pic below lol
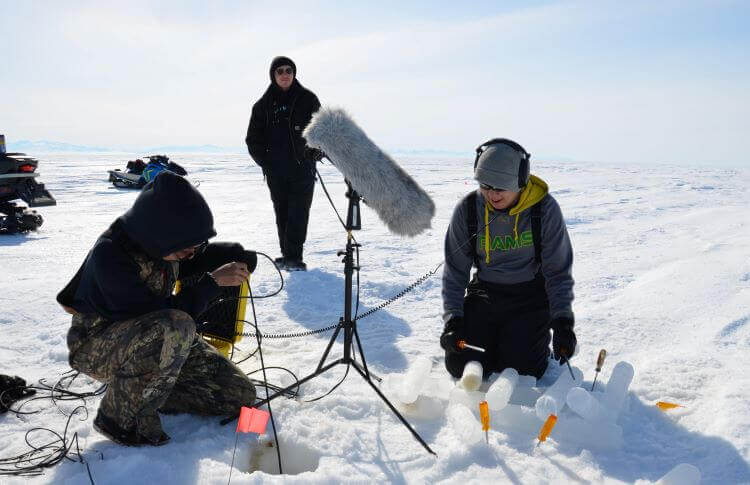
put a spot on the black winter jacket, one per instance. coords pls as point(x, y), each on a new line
point(167, 216)
point(303, 103)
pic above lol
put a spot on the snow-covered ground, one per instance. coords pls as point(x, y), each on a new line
point(662, 281)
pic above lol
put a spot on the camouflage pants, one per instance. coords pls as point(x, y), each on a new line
point(152, 363)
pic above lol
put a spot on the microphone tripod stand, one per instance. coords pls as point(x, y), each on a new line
point(347, 325)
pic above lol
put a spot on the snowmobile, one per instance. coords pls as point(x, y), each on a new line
point(17, 174)
point(139, 173)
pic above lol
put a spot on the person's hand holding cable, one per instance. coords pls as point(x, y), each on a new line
point(231, 274)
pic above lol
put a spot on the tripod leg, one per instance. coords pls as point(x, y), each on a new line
point(361, 353)
point(328, 347)
point(393, 409)
point(270, 398)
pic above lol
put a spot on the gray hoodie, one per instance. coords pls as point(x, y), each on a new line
point(511, 250)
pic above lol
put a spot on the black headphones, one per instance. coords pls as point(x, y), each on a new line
point(523, 168)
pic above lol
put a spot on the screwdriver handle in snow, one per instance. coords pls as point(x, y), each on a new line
point(599, 364)
point(461, 344)
point(600, 360)
point(546, 428)
point(484, 413)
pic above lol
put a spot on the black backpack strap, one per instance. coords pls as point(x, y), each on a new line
point(536, 230)
point(470, 204)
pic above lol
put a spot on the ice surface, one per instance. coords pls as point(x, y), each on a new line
point(553, 399)
point(414, 380)
point(617, 389)
point(472, 376)
point(682, 474)
point(465, 425)
point(594, 436)
point(585, 405)
point(500, 391)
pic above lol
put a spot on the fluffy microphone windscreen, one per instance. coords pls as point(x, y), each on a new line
point(385, 187)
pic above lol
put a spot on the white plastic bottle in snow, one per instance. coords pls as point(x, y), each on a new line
point(553, 399)
point(500, 391)
point(472, 376)
point(617, 389)
point(414, 380)
point(584, 404)
point(467, 428)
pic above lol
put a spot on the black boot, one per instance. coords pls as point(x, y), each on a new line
point(114, 432)
point(296, 265)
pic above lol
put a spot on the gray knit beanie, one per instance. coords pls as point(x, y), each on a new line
point(498, 166)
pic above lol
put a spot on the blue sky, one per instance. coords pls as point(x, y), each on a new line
point(607, 81)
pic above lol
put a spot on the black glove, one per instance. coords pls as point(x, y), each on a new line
point(250, 259)
point(564, 338)
point(453, 332)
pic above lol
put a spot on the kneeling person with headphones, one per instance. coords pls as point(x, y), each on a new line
point(512, 230)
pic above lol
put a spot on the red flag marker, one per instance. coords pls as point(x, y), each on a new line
point(252, 420)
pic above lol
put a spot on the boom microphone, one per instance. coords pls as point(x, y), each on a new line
point(397, 199)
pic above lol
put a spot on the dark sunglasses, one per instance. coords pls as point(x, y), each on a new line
point(284, 70)
point(198, 250)
point(489, 187)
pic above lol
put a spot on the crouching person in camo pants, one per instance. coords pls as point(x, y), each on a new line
point(132, 330)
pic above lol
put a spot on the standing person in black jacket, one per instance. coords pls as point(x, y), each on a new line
point(274, 140)
point(135, 330)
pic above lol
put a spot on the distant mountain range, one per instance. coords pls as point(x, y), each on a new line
point(45, 146)
point(35, 146)
point(49, 146)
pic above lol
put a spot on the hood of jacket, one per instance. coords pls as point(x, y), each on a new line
point(168, 215)
point(534, 191)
